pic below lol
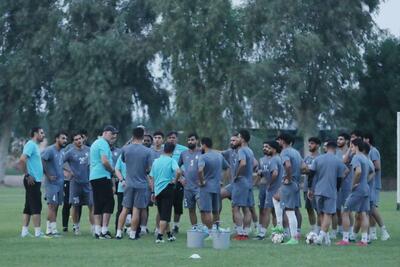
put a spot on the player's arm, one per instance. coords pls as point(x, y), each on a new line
point(22, 164)
point(346, 156)
point(202, 182)
point(304, 168)
point(178, 175)
point(106, 164)
point(288, 170)
point(371, 175)
point(377, 165)
point(357, 176)
point(241, 167)
point(274, 175)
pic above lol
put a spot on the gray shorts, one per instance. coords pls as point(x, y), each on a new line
point(309, 204)
point(325, 204)
point(289, 195)
point(268, 199)
point(135, 197)
point(190, 198)
point(209, 202)
point(80, 194)
point(54, 194)
point(242, 195)
point(262, 195)
point(356, 203)
point(342, 196)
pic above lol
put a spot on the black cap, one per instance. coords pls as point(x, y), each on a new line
point(110, 128)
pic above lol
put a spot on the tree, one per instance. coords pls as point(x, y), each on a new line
point(380, 99)
point(26, 30)
point(312, 52)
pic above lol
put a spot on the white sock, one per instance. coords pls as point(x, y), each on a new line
point(313, 227)
point(364, 237)
point(104, 230)
point(259, 227)
point(132, 234)
point(351, 230)
point(92, 228)
point(292, 222)
point(246, 231)
point(278, 212)
point(262, 231)
point(346, 236)
point(157, 230)
point(143, 228)
point(24, 230)
point(333, 232)
point(97, 229)
point(119, 232)
point(48, 227)
point(37, 231)
point(321, 236)
point(372, 230)
point(53, 227)
point(239, 229)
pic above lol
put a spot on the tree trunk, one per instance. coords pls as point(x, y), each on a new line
point(5, 137)
point(308, 127)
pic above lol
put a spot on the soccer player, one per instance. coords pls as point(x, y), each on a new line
point(188, 162)
point(326, 172)
point(273, 178)
point(358, 200)
point(210, 167)
point(172, 138)
point(230, 156)
point(313, 147)
point(101, 172)
point(137, 158)
point(158, 144)
point(289, 193)
point(53, 160)
point(31, 165)
point(375, 216)
point(242, 187)
point(80, 193)
point(164, 175)
point(120, 172)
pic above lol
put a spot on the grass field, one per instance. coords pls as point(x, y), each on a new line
point(85, 251)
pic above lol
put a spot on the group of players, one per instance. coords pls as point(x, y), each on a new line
point(149, 170)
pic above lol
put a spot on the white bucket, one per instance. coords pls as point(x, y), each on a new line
point(221, 240)
point(195, 239)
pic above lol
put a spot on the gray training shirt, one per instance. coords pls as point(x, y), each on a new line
point(275, 164)
point(78, 160)
point(245, 153)
point(213, 164)
point(308, 160)
point(296, 161)
point(359, 160)
point(231, 156)
point(374, 155)
point(53, 164)
point(138, 159)
point(188, 162)
point(327, 169)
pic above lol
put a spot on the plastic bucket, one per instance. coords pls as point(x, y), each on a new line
point(221, 240)
point(195, 239)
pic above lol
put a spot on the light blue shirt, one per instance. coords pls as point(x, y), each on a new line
point(178, 151)
point(98, 149)
point(34, 162)
point(121, 166)
point(163, 171)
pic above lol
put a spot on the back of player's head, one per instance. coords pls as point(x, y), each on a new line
point(287, 138)
point(169, 148)
point(275, 145)
point(346, 136)
point(158, 133)
point(356, 133)
point(370, 138)
point(138, 133)
point(366, 148)
point(315, 140)
point(172, 133)
point(207, 141)
point(34, 130)
point(332, 144)
point(83, 132)
point(193, 135)
point(59, 133)
point(358, 142)
point(245, 135)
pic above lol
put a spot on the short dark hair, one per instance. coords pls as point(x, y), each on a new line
point(331, 144)
point(287, 138)
point(138, 133)
point(245, 135)
point(172, 133)
point(314, 140)
point(358, 143)
point(76, 134)
point(83, 131)
point(366, 148)
point(193, 135)
point(149, 135)
point(59, 133)
point(275, 145)
point(169, 148)
point(346, 136)
point(158, 133)
point(207, 141)
point(34, 130)
point(370, 137)
point(356, 133)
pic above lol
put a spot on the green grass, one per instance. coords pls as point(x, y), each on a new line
point(85, 251)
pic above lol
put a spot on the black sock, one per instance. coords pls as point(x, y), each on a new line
point(160, 236)
point(169, 234)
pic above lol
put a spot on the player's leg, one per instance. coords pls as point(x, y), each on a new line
point(121, 222)
point(66, 206)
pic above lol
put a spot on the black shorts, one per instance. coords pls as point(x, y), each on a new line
point(33, 198)
point(103, 197)
point(178, 198)
point(66, 192)
point(164, 202)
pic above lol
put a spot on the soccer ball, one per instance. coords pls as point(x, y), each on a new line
point(311, 238)
point(277, 238)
